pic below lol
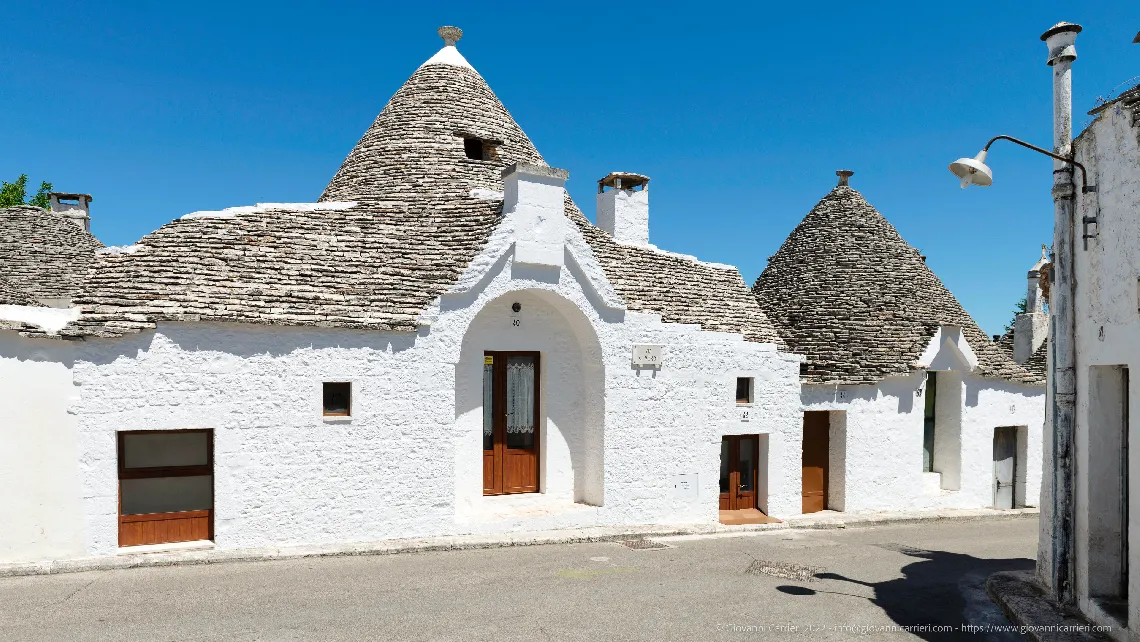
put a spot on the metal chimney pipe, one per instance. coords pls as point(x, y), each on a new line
point(1062, 52)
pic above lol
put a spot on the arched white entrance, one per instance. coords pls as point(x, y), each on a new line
point(570, 390)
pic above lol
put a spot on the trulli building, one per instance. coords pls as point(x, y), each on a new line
point(442, 344)
point(906, 402)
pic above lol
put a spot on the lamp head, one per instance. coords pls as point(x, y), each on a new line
point(973, 171)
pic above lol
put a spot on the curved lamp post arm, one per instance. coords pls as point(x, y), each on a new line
point(1084, 175)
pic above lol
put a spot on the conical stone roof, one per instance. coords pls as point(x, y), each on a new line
point(395, 228)
point(848, 292)
point(413, 152)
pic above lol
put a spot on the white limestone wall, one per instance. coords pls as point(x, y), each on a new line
point(1107, 321)
point(883, 426)
point(283, 473)
point(39, 464)
point(408, 462)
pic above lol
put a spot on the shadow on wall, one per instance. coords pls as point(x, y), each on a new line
point(248, 340)
point(942, 588)
point(902, 388)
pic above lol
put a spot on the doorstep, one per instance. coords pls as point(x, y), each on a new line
point(197, 545)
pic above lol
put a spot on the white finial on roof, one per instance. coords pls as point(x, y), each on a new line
point(449, 55)
point(450, 35)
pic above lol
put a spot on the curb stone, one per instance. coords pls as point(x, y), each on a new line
point(474, 542)
point(1024, 602)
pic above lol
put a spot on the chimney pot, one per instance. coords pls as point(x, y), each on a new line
point(73, 206)
point(844, 175)
point(623, 211)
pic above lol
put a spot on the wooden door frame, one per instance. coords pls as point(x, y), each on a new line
point(499, 418)
point(1014, 430)
point(164, 471)
point(827, 461)
point(734, 471)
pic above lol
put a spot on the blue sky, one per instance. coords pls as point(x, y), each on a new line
point(741, 114)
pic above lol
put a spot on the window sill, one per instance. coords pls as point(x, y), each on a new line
point(198, 545)
point(336, 419)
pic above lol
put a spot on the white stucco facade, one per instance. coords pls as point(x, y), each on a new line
point(1107, 327)
point(620, 445)
point(613, 437)
point(876, 436)
point(40, 468)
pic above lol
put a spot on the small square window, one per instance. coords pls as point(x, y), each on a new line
point(337, 399)
point(744, 390)
point(473, 148)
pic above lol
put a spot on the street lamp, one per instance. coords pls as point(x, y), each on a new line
point(974, 171)
point(1058, 548)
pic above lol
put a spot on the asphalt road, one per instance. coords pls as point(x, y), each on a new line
point(823, 585)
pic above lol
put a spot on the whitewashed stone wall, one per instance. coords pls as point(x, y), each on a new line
point(408, 462)
point(883, 426)
point(39, 466)
point(1107, 327)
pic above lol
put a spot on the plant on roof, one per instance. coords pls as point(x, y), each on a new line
point(12, 194)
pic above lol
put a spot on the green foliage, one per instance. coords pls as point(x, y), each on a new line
point(12, 194)
point(1021, 308)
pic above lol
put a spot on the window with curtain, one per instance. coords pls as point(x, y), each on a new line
point(520, 402)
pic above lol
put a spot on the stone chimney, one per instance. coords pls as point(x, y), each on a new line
point(623, 211)
point(534, 197)
point(1031, 328)
point(73, 206)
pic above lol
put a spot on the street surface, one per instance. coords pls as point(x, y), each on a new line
point(824, 585)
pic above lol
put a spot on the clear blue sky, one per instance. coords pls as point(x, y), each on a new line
point(740, 114)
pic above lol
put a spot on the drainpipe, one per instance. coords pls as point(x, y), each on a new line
point(1062, 53)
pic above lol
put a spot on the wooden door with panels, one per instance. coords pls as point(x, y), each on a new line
point(738, 471)
point(510, 422)
point(817, 425)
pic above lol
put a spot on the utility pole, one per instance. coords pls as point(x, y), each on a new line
point(1062, 344)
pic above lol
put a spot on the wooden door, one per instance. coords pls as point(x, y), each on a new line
point(1005, 465)
point(510, 422)
point(738, 471)
point(815, 455)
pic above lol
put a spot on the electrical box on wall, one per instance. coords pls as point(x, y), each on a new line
point(685, 487)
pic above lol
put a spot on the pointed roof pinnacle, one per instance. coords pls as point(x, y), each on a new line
point(450, 35)
point(449, 55)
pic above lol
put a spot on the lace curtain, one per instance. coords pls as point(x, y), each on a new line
point(520, 395)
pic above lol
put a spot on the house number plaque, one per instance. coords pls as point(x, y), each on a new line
point(645, 354)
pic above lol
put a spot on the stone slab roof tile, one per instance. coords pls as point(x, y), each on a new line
point(378, 265)
point(12, 295)
point(1038, 362)
point(848, 292)
point(681, 290)
point(42, 254)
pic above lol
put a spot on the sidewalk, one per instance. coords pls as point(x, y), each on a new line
point(206, 553)
point(1024, 602)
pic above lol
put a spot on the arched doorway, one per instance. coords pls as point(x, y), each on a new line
point(530, 401)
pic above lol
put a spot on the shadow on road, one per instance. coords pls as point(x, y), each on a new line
point(940, 589)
